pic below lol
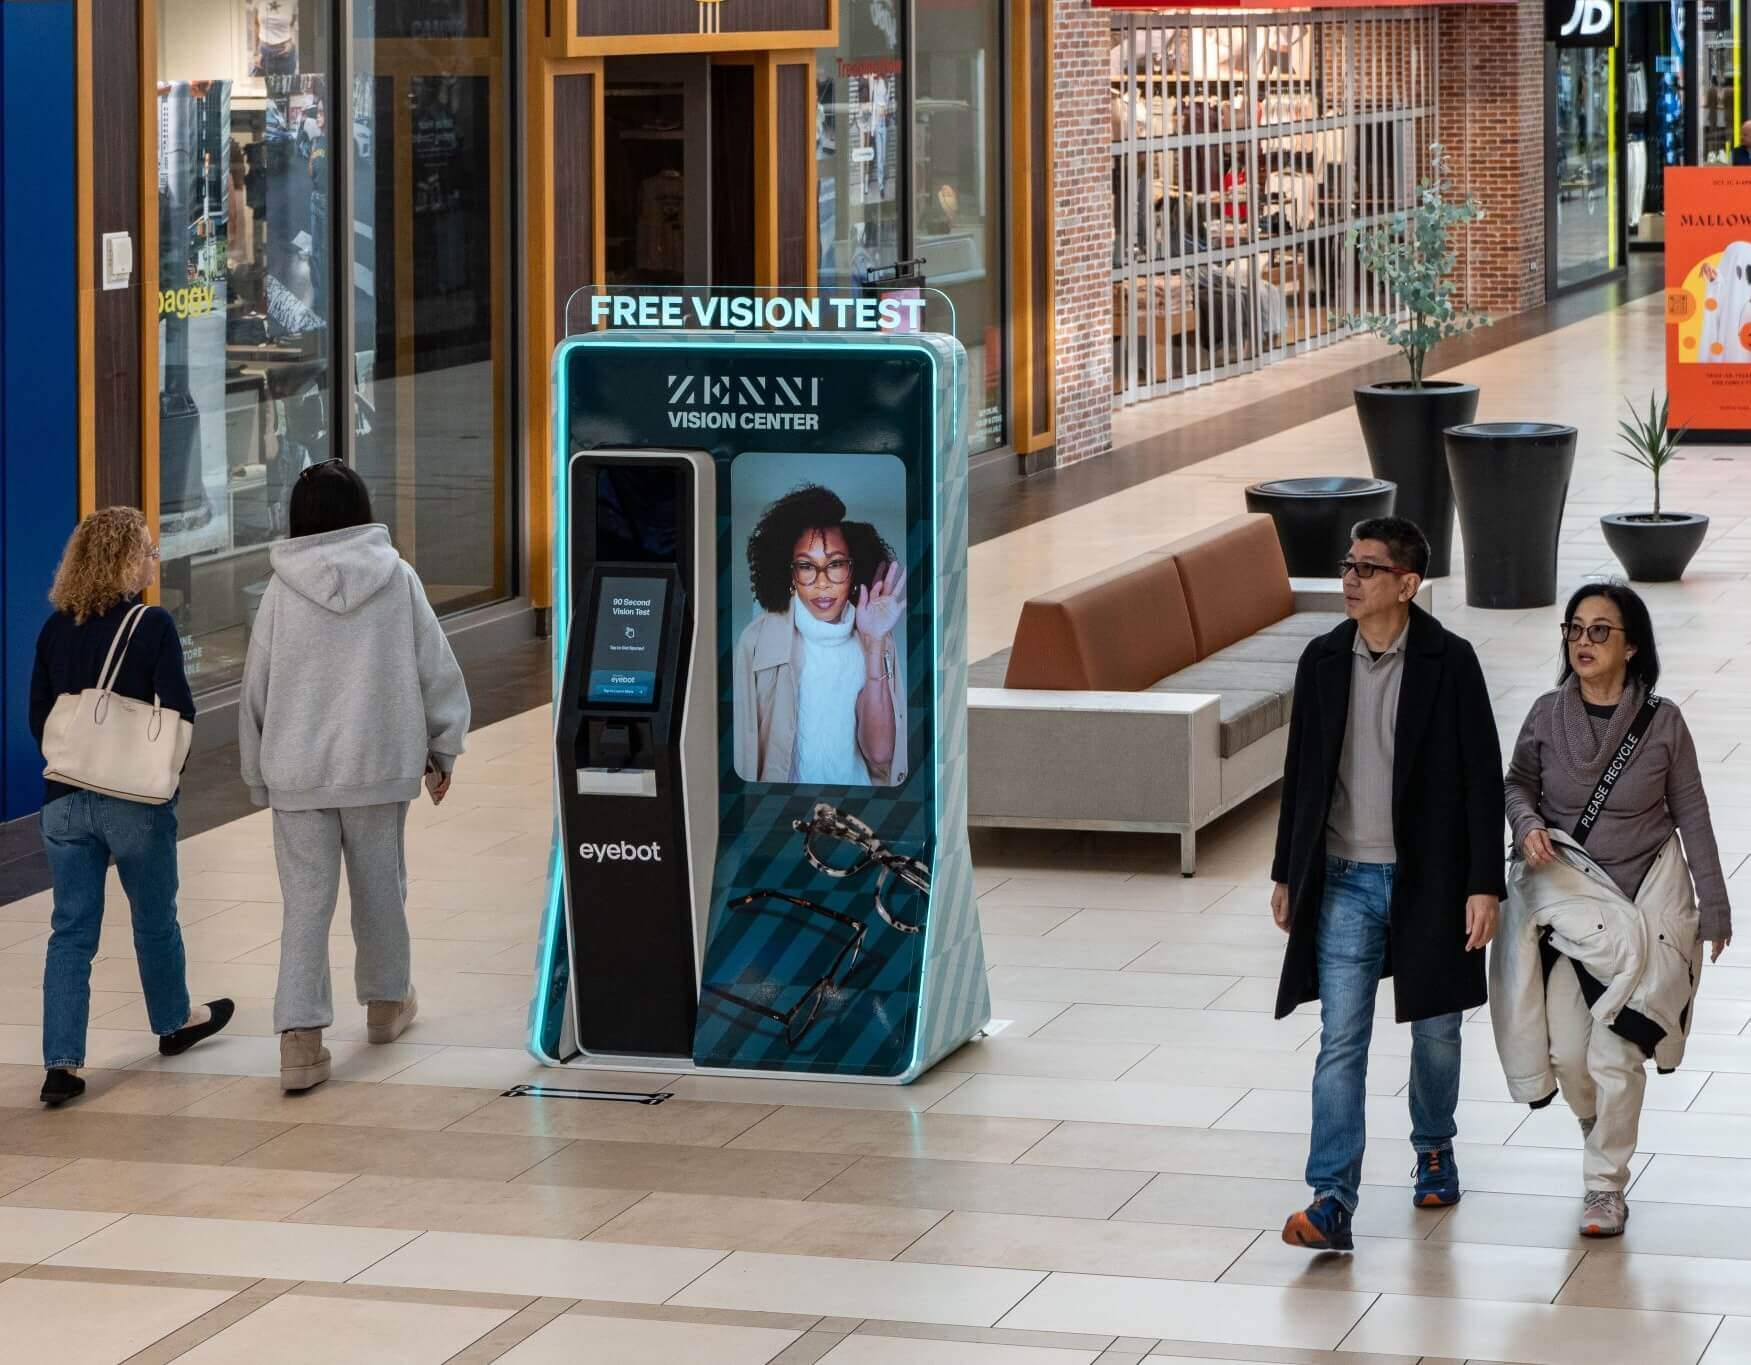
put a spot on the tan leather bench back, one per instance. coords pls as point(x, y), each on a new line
point(1235, 579)
point(1119, 630)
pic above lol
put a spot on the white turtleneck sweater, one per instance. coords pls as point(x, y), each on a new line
point(826, 704)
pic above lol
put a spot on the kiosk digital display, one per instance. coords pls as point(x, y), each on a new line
point(807, 747)
point(629, 637)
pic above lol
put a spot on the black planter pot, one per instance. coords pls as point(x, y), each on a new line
point(1314, 517)
point(1654, 551)
point(1510, 481)
point(1402, 427)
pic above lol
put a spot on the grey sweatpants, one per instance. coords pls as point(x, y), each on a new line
point(309, 846)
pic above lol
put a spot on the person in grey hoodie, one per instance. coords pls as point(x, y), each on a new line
point(351, 697)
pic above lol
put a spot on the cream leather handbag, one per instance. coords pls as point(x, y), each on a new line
point(116, 745)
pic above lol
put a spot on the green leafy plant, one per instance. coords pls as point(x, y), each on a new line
point(1650, 443)
point(1414, 256)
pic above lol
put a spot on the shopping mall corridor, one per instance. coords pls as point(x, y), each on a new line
point(1101, 1180)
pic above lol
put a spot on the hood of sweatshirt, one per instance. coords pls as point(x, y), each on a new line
point(338, 570)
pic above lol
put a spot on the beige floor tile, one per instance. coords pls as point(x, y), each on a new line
point(687, 1123)
point(1265, 1205)
point(341, 1102)
point(488, 1206)
point(186, 1191)
point(1694, 1180)
point(1023, 950)
point(1211, 959)
point(1086, 1245)
point(137, 1137)
point(253, 1017)
point(756, 1282)
point(217, 1246)
point(146, 1092)
point(797, 1227)
point(239, 1055)
point(1662, 1133)
point(1667, 1284)
point(985, 1187)
point(399, 1151)
point(540, 1266)
point(1240, 1315)
point(499, 1069)
point(1228, 1028)
point(688, 1170)
point(1537, 1334)
point(24, 1004)
point(1289, 1111)
point(32, 1234)
point(775, 1091)
point(871, 1133)
point(1655, 1228)
point(1448, 1270)
point(1176, 1064)
point(1004, 1056)
point(1724, 1094)
point(862, 1349)
point(22, 1045)
point(1091, 1101)
point(1024, 1018)
point(1031, 920)
point(1088, 985)
point(1142, 895)
point(115, 1320)
point(295, 1329)
point(18, 1171)
point(574, 1337)
point(1732, 1344)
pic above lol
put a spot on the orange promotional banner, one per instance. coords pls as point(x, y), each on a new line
point(1708, 298)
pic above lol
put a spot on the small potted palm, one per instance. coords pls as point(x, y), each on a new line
point(1657, 546)
point(1413, 256)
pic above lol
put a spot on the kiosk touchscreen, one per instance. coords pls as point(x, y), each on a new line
point(761, 860)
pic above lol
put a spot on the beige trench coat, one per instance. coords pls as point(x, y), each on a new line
point(768, 670)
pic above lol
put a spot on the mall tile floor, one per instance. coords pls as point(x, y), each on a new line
point(1102, 1180)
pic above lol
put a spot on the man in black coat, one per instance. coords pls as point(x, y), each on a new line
point(1389, 861)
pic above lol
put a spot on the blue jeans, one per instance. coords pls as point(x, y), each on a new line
point(82, 832)
point(1355, 923)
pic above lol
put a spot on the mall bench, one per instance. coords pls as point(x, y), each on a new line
point(1153, 696)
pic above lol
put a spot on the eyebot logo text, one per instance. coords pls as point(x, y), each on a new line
point(621, 852)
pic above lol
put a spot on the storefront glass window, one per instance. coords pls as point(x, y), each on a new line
point(1655, 101)
point(858, 142)
point(430, 287)
point(244, 302)
point(958, 186)
point(1586, 228)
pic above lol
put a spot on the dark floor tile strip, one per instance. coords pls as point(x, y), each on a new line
point(214, 1321)
point(510, 1333)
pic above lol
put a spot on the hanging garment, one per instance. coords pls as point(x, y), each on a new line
point(662, 217)
point(1636, 186)
point(1637, 93)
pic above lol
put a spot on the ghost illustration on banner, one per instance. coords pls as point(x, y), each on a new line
point(1726, 322)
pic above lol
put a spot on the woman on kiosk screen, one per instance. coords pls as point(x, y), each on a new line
point(819, 696)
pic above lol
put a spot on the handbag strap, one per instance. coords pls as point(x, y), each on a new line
point(112, 662)
point(1638, 728)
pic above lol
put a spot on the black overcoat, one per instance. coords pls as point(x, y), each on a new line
point(1447, 819)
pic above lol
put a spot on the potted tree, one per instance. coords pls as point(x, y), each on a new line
point(1402, 421)
point(1657, 546)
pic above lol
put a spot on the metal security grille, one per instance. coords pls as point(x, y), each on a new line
point(1245, 148)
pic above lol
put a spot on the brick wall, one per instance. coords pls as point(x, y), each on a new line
point(1491, 75)
point(1082, 196)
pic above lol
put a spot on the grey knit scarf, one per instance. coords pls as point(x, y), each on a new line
point(1581, 749)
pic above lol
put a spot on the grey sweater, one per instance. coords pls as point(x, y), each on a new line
point(350, 686)
point(1557, 763)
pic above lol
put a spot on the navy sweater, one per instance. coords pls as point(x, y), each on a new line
point(69, 658)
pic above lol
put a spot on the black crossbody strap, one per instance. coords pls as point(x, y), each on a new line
point(1638, 729)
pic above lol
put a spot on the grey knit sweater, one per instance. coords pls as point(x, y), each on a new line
point(1557, 763)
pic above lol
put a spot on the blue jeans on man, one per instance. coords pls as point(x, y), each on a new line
point(82, 832)
point(1354, 929)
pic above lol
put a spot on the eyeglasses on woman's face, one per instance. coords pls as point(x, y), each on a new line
point(1597, 633)
point(807, 572)
point(1365, 570)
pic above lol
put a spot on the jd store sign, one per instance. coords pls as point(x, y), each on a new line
point(1581, 23)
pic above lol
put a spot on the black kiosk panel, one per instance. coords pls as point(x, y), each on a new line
point(618, 738)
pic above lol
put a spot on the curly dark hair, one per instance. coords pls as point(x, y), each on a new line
point(808, 507)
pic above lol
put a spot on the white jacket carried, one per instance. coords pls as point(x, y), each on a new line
point(1644, 958)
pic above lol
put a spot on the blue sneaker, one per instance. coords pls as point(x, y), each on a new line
point(1324, 1225)
point(1437, 1180)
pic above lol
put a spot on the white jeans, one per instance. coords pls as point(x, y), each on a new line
point(1603, 1077)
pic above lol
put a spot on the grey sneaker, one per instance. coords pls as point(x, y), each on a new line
point(1604, 1214)
point(1587, 1127)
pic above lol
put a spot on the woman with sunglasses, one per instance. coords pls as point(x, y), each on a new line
point(1616, 885)
point(819, 698)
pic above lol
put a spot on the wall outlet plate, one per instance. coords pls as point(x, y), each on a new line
point(118, 260)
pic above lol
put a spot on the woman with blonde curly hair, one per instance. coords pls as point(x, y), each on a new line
point(109, 562)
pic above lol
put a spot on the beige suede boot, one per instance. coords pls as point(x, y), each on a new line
point(304, 1061)
point(387, 1020)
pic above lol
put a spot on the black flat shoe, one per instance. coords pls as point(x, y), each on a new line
point(61, 1085)
point(175, 1044)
